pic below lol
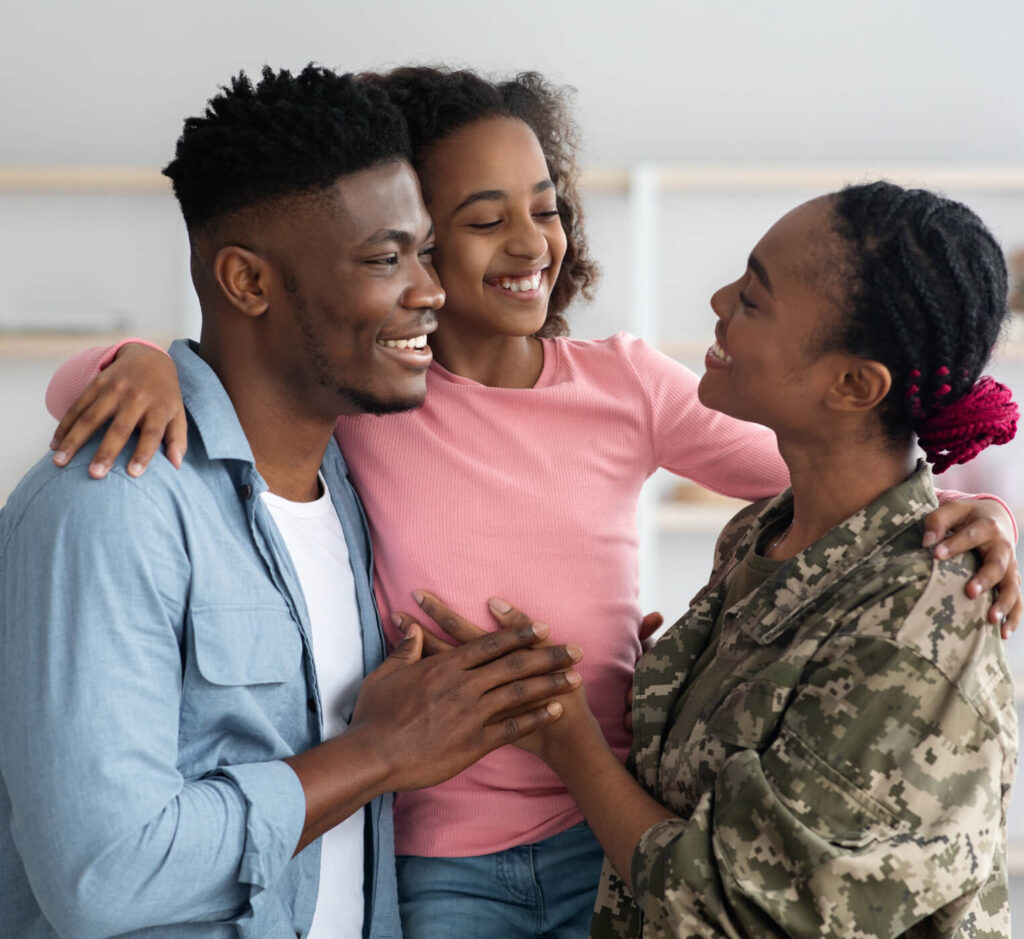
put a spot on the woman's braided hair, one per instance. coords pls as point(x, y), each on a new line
point(437, 102)
point(927, 297)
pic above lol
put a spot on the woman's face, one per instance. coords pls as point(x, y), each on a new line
point(499, 239)
point(766, 364)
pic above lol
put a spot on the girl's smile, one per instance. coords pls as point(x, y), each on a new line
point(499, 238)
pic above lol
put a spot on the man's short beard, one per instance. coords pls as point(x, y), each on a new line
point(370, 404)
point(320, 366)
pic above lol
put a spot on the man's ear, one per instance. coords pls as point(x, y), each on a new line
point(860, 386)
point(243, 276)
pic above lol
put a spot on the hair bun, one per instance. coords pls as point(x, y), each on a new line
point(959, 431)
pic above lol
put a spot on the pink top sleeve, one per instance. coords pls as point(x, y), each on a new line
point(731, 457)
point(73, 376)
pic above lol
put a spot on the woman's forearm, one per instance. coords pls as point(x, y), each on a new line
point(614, 804)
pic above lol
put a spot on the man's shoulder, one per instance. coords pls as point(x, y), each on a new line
point(48, 495)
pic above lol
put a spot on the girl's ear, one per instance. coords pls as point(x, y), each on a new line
point(242, 276)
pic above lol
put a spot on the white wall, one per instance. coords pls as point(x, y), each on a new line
point(109, 81)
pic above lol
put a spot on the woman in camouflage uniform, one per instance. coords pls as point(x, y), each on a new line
point(825, 742)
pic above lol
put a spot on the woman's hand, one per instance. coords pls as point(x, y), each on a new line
point(649, 625)
point(985, 526)
point(137, 391)
point(462, 630)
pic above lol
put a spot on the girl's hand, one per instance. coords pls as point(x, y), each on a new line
point(985, 526)
point(137, 391)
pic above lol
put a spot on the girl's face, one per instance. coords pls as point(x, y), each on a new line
point(500, 242)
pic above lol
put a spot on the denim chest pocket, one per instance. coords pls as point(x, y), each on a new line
point(252, 645)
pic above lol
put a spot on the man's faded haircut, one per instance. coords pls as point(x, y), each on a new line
point(287, 135)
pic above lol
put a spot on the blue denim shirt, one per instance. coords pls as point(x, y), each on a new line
point(155, 668)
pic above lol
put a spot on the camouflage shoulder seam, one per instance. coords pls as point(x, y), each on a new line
point(926, 594)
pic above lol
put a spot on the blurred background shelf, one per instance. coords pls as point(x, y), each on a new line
point(44, 344)
point(669, 178)
point(692, 351)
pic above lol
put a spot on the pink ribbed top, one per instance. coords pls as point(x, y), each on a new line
point(529, 495)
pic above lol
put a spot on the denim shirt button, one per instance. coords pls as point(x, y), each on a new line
point(246, 491)
point(311, 704)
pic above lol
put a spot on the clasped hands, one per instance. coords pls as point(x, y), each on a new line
point(566, 699)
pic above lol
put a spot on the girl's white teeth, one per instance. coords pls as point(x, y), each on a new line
point(719, 353)
point(417, 342)
point(522, 284)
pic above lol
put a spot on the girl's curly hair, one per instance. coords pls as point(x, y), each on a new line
point(438, 101)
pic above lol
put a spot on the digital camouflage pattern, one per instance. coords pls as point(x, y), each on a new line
point(850, 770)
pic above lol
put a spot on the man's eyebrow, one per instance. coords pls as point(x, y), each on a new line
point(762, 275)
point(497, 195)
point(387, 235)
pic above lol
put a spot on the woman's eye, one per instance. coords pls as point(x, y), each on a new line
point(485, 225)
point(387, 260)
point(746, 302)
point(553, 213)
point(428, 253)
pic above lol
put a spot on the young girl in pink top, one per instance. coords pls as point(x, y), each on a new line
point(519, 477)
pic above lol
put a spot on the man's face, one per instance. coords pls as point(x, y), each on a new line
point(359, 294)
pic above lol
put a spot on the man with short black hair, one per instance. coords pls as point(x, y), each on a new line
point(162, 725)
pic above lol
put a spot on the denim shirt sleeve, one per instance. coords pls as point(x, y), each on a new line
point(94, 577)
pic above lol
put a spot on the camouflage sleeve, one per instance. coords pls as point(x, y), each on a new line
point(878, 803)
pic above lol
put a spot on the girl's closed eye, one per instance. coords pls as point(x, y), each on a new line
point(745, 300)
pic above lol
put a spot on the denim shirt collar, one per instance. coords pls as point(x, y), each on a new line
point(214, 416)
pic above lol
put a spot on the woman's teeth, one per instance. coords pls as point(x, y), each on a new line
point(417, 342)
point(719, 353)
point(521, 284)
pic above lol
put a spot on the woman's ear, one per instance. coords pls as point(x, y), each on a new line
point(242, 276)
point(861, 386)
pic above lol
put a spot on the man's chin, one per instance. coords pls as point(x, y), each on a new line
point(372, 404)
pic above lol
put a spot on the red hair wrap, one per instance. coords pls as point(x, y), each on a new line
point(959, 431)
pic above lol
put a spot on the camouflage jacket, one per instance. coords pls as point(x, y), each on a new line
point(849, 775)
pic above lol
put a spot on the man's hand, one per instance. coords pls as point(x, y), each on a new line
point(433, 717)
point(508, 618)
point(418, 722)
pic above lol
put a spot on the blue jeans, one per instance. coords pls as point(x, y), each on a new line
point(538, 890)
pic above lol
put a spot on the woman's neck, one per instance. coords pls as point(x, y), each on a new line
point(496, 361)
point(830, 484)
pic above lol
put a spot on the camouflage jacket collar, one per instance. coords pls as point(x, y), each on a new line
point(768, 611)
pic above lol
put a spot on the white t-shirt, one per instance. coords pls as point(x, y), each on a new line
point(316, 543)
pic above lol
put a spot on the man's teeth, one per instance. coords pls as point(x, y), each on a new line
point(719, 353)
point(522, 284)
point(417, 342)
